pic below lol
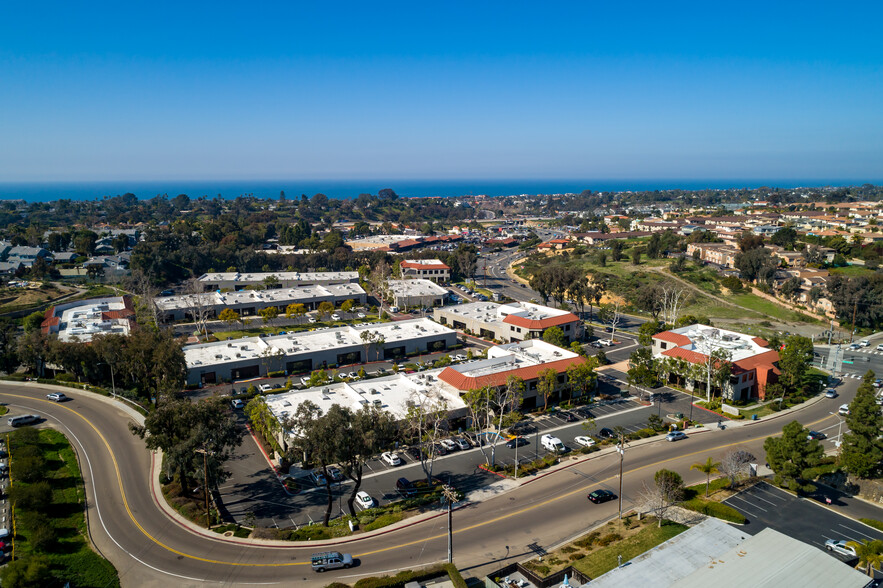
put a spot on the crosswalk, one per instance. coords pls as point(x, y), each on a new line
point(868, 350)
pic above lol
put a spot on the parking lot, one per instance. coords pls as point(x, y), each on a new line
point(253, 488)
point(767, 506)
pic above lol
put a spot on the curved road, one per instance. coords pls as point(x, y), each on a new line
point(151, 549)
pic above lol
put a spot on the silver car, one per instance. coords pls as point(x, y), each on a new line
point(840, 546)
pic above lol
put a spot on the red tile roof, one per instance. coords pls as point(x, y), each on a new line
point(526, 323)
point(463, 382)
point(675, 338)
point(761, 342)
point(688, 354)
point(418, 265)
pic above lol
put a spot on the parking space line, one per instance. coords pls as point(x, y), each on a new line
point(855, 531)
point(765, 500)
point(750, 504)
point(745, 510)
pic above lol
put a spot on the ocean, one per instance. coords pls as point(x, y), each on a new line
point(49, 191)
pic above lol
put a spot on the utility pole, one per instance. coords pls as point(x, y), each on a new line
point(854, 309)
point(831, 332)
point(450, 496)
point(204, 453)
point(621, 449)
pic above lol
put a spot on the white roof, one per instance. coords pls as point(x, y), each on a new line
point(390, 393)
point(257, 277)
point(491, 312)
point(307, 342)
point(513, 356)
point(82, 321)
point(277, 296)
point(416, 287)
point(427, 262)
point(704, 339)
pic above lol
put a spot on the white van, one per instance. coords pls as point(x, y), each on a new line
point(22, 420)
point(551, 443)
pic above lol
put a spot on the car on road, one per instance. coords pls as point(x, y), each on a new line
point(57, 396)
point(675, 436)
point(844, 410)
point(312, 320)
point(405, 487)
point(816, 436)
point(854, 347)
point(364, 500)
point(331, 560)
point(606, 433)
point(584, 441)
point(361, 315)
point(596, 345)
point(391, 458)
point(830, 393)
point(237, 403)
point(840, 546)
point(864, 343)
point(880, 347)
point(517, 442)
point(599, 496)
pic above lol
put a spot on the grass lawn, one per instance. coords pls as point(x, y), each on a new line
point(70, 555)
point(756, 303)
point(605, 559)
point(851, 271)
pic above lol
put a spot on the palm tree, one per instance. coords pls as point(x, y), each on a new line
point(709, 467)
point(870, 554)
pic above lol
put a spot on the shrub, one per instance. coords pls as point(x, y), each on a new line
point(384, 520)
point(276, 374)
point(608, 539)
point(576, 556)
point(35, 496)
point(65, 377)
point(715, 509)
point(873, 523)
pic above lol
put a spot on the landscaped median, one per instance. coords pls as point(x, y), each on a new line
point(718, 490)
point(49, 527)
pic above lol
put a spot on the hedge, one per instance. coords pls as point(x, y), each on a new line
point(715, 509)
point(873, 523)
point(406, 576)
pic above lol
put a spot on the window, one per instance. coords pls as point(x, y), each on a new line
point(663, 345)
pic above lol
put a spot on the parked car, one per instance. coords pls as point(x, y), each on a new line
point(606, 433)
point(335, 473)
point(318, 478)
point(391, 458)
point(584, 441)
point(57, 396)
point(675, 436)
point(816, 436)
point(312, 320)
point(265, 387)
point(583, 411)
point(840, 546)
point(830, 393)
point(237, 404)
point(566, 416)
point(405, 487)
point(353, 375)
point(517, 442)
point(844, 410)
point(596, 345)
point(606, 342)
point(462, 443)
point(599, 496)
point(361, 315)
point(439, 449)
point(364, 500)
point(449, 445)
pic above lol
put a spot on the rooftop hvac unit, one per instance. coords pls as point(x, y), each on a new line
point(238, 355)
point(218, 356)
point(378, 402)
point(229, 345)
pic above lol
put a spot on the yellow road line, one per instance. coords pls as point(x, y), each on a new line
point(393, 547)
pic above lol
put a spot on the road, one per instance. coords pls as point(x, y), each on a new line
point(149, 549)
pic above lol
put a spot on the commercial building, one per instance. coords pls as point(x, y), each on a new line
point(417, 292)
point(430, 269)
point(516, 321)
point(752, 363)
point(82, 320)
point(250, 302)
point(300, 353)
point(397, 393)
point(238, 281)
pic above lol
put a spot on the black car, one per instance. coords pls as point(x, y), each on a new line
point(606, 433)
point(566, 416)
point(414, 452)
point(517, 442)
point(816, 436)
point(599, 496)
point(584, 411)
point(596, 345)
point(405, 487)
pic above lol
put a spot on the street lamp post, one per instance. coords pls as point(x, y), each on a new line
point(621, 449)
point(839, 432)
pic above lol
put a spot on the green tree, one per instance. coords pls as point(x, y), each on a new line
point(180, 427)
point(646, 332)
point(643, 367)
point(555, 336)
point(295, 309)
point(36, 496)
point(30, 571)
point(33, 321)
point(862, 449)
point(229, 316)
point(347, 305)
point(791, 455)
point(547, 379)
point(582, 377)
point(707, 467)
point(870, 555)
point(325, 309)
point(268, 314)
point(795, 360)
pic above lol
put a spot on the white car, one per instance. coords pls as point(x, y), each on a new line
point(363, 500)
point(354, 375)
point(57, 396)
point(840, 547)
point(844, 410)
point(605, 342)
point(880, 347)
point(361, 315)
point(449, 445)
point(237, 404)
point(265, 387)
point(335, 317)
point(391, 458)
point(584, 441)
point(864, 343)
point(312, 320)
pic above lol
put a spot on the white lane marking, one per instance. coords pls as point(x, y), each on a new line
point(854, 531)
point(749, 503)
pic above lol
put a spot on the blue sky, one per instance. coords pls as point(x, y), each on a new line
point(195, 90)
